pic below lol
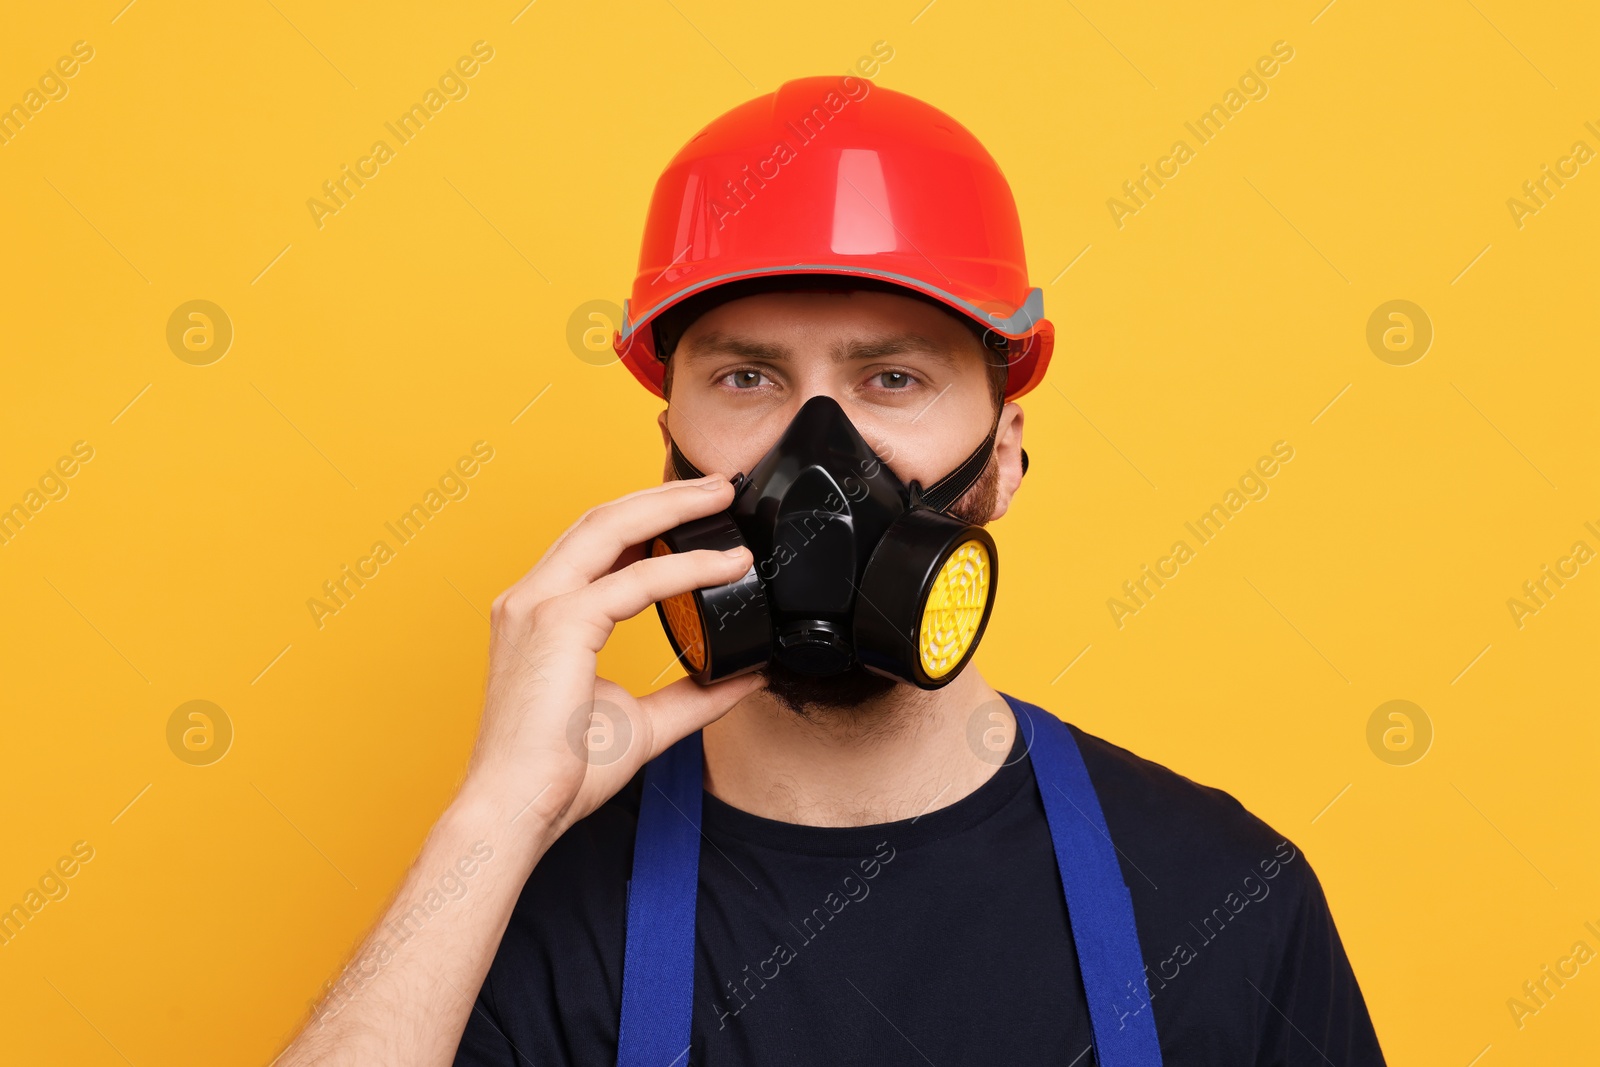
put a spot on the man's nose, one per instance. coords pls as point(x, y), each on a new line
point(861, 416)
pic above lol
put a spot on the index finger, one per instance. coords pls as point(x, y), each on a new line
point(590, 547)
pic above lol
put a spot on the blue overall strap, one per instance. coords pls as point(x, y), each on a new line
point(1099, 906)
point(658, 962)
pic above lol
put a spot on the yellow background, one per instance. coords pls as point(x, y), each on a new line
point(430, 311)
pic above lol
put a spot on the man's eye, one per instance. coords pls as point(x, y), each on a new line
point(745, 379)
point(894, 379)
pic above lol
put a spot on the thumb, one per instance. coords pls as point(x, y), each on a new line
point(685, 706)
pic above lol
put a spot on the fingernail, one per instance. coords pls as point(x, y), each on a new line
point(734, 553)
point(713, 481)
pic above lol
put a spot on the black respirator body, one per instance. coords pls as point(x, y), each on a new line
point(851, 565)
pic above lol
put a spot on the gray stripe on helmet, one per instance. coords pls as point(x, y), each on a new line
point(1018, 323)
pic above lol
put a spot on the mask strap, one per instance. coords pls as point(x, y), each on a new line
point(681, 465)
point(947, 490)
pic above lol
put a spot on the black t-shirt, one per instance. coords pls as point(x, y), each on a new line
point(941, 939)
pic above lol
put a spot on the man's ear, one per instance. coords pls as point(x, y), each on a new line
point(1008, 454)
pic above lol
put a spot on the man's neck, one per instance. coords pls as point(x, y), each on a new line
point(896, 757)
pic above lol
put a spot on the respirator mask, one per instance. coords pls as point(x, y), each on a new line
point(851, 565)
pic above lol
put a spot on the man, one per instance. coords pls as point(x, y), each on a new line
point(837, 856)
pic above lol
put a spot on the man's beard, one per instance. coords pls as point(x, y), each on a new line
point(804, 694)
point(832, 694)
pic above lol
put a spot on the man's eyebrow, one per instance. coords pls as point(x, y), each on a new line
point(713, 344)
point(899, 344)
point(722, 344)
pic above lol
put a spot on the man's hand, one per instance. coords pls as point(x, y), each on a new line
point(406, 995)
point(547, 631)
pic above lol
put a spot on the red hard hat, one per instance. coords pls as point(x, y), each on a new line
point(836, 176)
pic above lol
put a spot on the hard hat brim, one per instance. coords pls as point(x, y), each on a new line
point(1029, 336)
